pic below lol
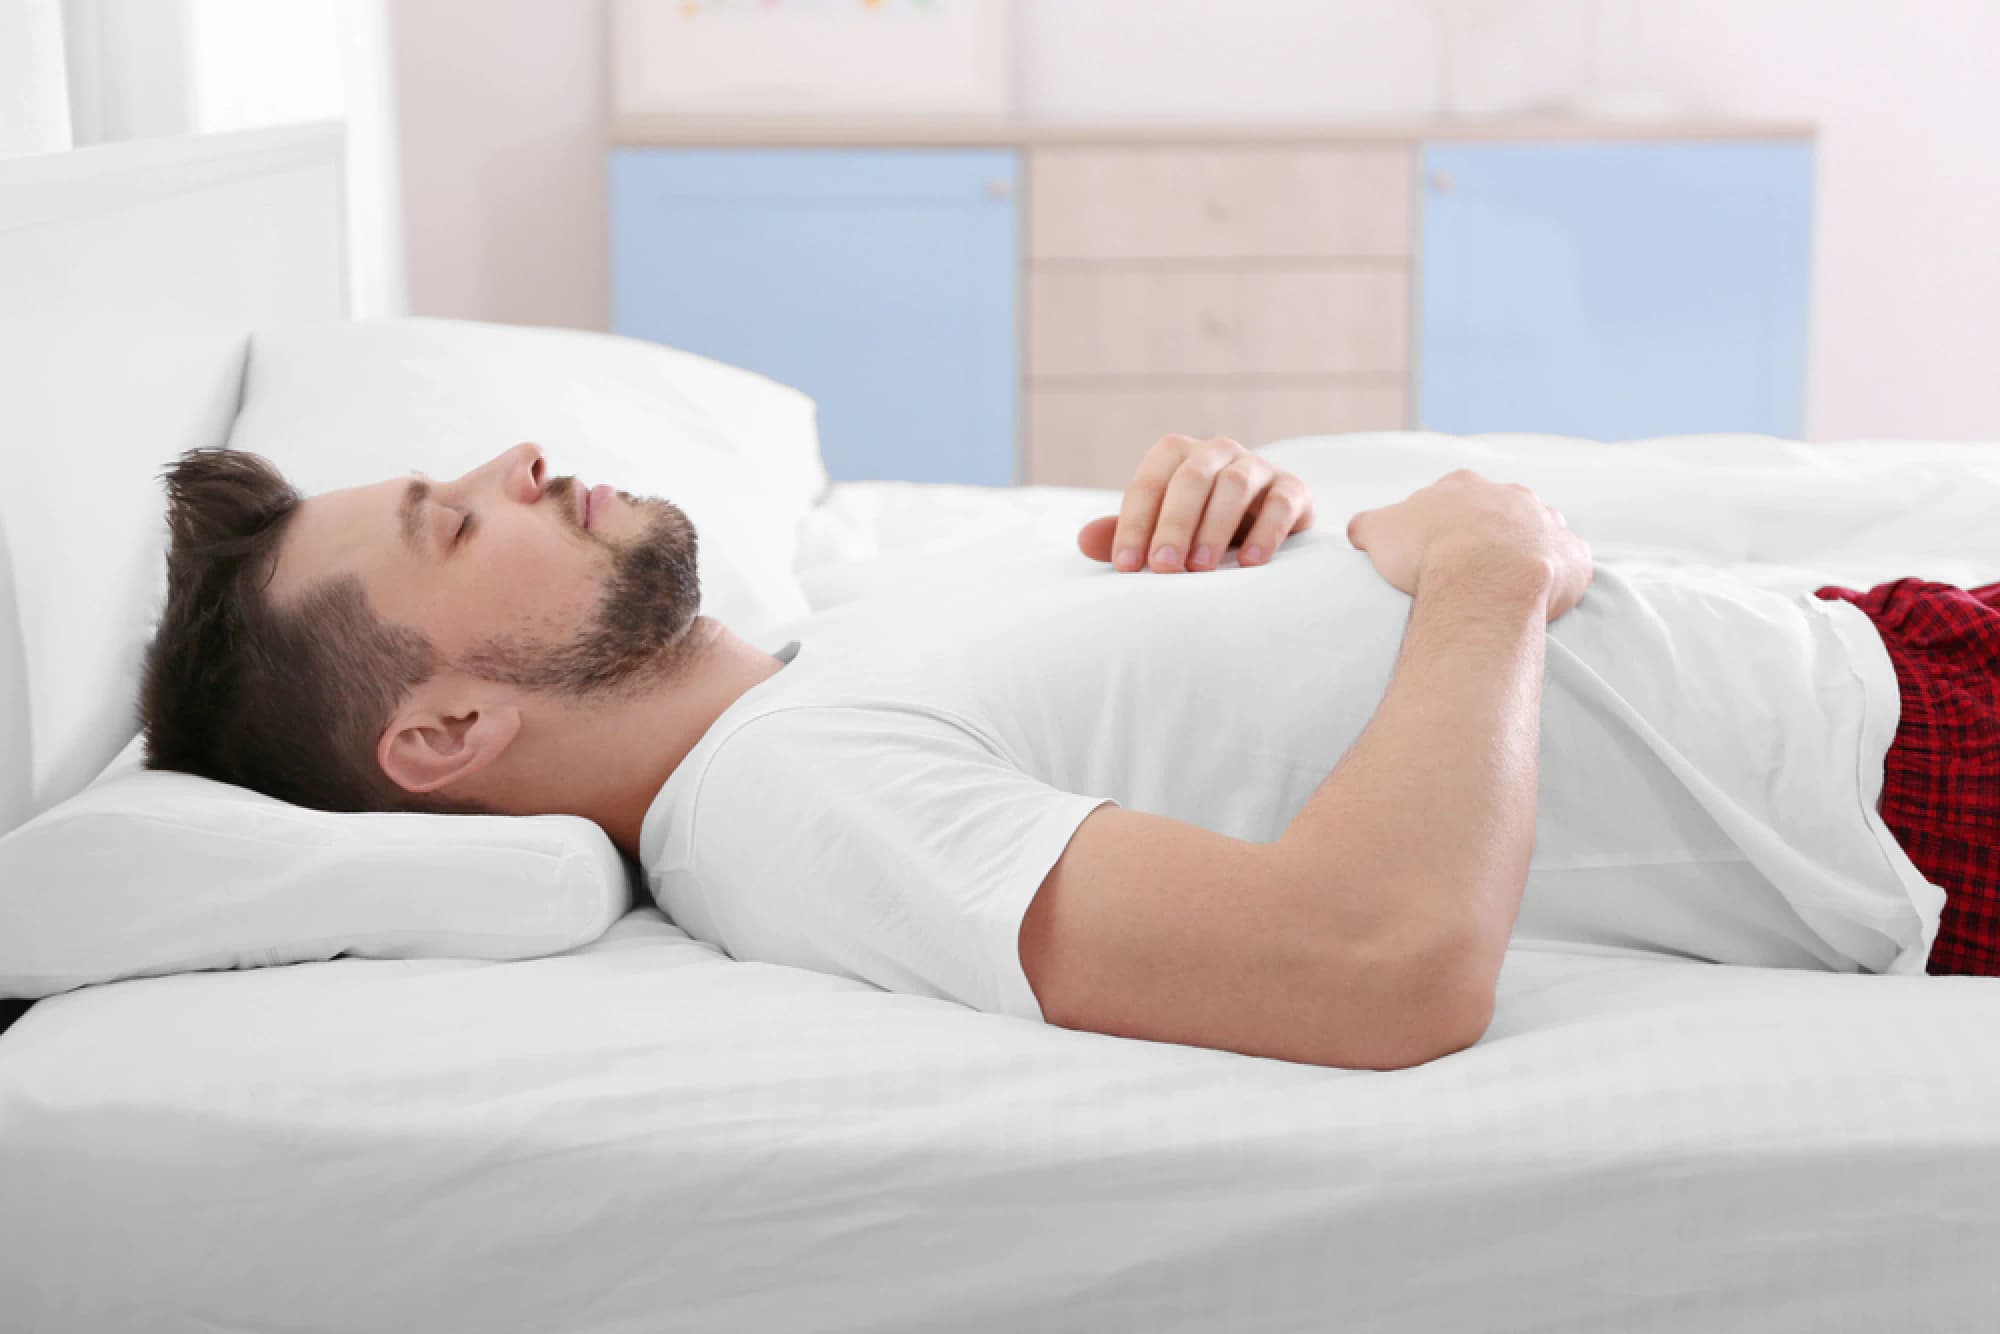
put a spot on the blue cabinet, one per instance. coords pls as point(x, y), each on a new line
point(883, 282)
point(1614, 290)
point(1606, 288)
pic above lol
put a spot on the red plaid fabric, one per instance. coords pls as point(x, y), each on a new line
point(1941, 785)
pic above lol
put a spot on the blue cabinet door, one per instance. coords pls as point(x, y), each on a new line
point(1614, 291)
point(883, 282)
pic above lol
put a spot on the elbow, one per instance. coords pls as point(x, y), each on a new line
point(1451, 1032)
point(1463, 1025)
point(1432, 1004)
point(1454, 987)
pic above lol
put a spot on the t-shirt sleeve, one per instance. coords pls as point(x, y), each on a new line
point(888, 845)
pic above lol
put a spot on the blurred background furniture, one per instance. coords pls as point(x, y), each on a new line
point(976, 301)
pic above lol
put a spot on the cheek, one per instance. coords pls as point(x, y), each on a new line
point(550, 594)
point(542, 592)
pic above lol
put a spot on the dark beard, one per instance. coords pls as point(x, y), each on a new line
point(642, 632)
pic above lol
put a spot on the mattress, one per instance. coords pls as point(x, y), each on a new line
point(645, 1134)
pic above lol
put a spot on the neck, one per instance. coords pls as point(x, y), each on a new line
point(606, 762)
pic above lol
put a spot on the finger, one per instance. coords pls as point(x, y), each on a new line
point(1357, 530)
point(1187, 497)
point(1232, 501)
point(1094, 538)
point(1305, 519)
point(1140, 510)
point(1557, 515)
point(1277, 518)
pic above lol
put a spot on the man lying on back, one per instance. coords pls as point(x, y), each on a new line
point(1295, 807)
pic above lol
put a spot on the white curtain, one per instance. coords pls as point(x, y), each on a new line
point(34, 84)
point(141, 68)
point(376, 284)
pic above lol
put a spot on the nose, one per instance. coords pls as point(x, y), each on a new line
point(521, 473)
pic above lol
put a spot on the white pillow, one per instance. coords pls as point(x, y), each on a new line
point(145, 873)
point(17, 777)
point(340, 404)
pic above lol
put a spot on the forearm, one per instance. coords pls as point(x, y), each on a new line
point(1423, 831)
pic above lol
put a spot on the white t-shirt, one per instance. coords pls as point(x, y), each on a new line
point(886, 805)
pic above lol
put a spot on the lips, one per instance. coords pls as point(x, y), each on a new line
point(597, 499)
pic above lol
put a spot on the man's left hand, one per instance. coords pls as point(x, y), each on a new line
point(1193, 500)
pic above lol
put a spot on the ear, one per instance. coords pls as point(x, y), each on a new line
point(434, 743)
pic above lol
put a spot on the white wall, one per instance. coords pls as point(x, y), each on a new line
point(501, 107)
point(1906, 291)
point(502, 118)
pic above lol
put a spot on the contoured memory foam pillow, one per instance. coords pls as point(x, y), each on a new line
point(146, 872)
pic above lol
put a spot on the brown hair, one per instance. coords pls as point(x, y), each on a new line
point(287, 700)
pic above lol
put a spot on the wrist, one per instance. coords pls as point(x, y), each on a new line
point(1496, 569)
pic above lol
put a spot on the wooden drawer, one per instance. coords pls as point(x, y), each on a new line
point(1236, 201)
point(1095, 322)
point(1095, 437)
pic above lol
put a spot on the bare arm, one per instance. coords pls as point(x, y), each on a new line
point(1370, 933)
point(1366, 936)
point(1424, 829)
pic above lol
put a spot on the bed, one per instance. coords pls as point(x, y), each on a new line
point(644, 1134)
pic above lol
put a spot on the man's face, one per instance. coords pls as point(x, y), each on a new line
point(548, 584)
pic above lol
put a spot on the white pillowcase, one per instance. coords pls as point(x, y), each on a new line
point(342, 404)
point(145, 873)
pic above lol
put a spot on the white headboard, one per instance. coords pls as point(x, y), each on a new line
point(131, 276)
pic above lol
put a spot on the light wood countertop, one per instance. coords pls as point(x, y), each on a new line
point(841, 130)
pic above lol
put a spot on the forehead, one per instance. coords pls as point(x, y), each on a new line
point(352, 531)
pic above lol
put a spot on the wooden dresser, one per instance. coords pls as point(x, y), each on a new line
point(1257, 291)
point(993, 302)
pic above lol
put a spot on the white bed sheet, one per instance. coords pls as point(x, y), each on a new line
point(646, 1135)
point(1791, 515)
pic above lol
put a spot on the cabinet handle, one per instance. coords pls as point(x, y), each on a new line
point(1442, 182)
point(998, 188)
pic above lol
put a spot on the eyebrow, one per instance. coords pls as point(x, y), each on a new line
point(414, 495)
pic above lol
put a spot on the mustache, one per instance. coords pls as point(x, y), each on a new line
point(568, 505)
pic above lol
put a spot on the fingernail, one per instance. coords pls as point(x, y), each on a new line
point(1251, 555)
point(1166, 556)
point(1202, 554)
point(1128, 559)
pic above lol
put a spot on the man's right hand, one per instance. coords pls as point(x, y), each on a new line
point(1464, 522)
